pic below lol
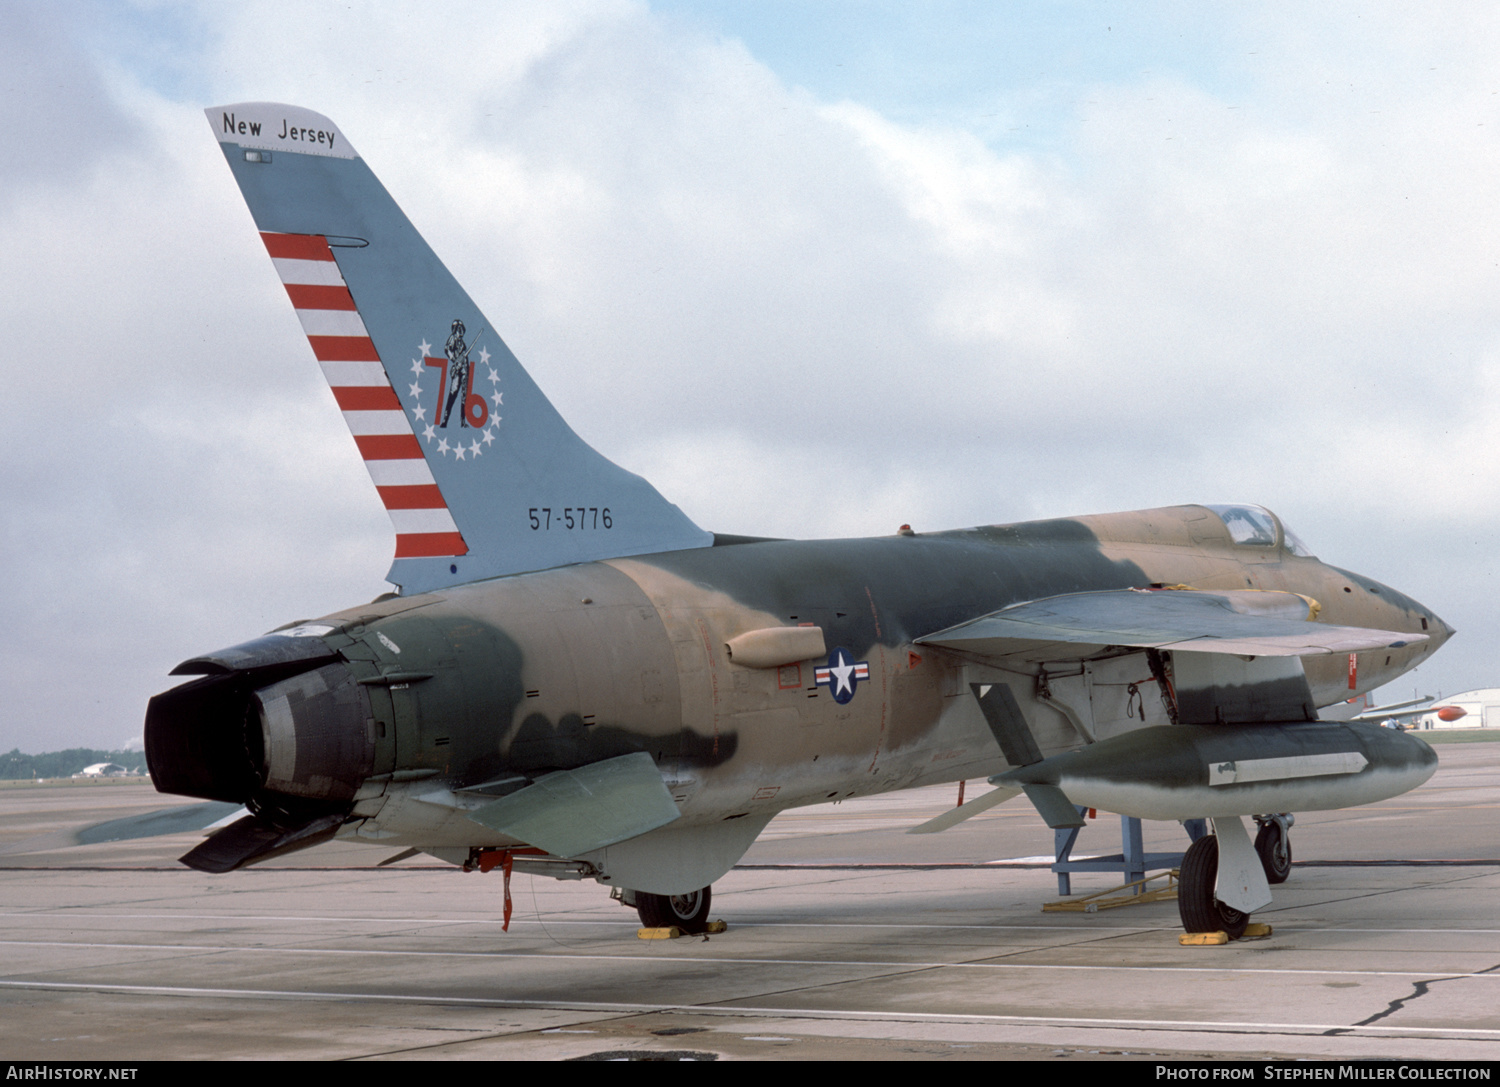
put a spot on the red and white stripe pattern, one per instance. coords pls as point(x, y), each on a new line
point(424, 525)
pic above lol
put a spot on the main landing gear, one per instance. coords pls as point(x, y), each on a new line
point(1196, 881)
point(688, 912)
point(1224, 878)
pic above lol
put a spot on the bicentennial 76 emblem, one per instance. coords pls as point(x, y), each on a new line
point(457, 406)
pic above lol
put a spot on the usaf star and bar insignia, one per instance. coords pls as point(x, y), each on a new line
point(841, 675)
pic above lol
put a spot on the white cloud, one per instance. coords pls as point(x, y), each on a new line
point(1281, 292)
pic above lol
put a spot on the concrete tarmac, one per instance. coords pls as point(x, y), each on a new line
point(847, 940)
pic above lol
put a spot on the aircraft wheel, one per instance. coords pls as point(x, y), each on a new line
point(1200, 910)
point(1274, 845)
point(688, 912)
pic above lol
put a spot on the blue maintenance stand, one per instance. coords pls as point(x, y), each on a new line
point(1132, 861)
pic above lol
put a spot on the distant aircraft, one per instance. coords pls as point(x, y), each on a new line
point(576, 680)
point(1405, 715)
point(1392, 709)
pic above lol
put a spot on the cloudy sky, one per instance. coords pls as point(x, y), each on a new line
point(815, 269)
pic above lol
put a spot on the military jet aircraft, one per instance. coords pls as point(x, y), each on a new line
point(574, 679)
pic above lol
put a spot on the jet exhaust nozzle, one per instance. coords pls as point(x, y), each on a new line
point(280, 725)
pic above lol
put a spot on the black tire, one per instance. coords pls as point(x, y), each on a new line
point(688, 912)
point(1200, 910)
point(1274, 845)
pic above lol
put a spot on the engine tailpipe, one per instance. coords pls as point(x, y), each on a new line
point(280, 725)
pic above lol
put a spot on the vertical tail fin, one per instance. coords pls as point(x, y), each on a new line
point(343, 348)
point(480, 474)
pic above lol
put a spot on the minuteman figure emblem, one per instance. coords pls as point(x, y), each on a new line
point(459, 366)
point(458, 374)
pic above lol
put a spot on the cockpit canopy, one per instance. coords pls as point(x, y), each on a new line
point(1256, 526)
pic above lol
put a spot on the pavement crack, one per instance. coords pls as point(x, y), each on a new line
point(1419, 989)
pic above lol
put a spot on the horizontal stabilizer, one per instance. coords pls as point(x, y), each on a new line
point(251, 840)
point(1262, 624)
point(571, 812)
point(182, 820)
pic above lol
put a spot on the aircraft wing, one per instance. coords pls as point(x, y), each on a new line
point(1238, 622)
point(1393, 709)
point(1234, 678)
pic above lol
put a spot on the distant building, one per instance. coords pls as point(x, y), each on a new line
point(102, 770)
point(1481, 710)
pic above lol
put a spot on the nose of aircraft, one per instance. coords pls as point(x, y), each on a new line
point(1388, 609)
point(1407, 614)
point(1438, 631)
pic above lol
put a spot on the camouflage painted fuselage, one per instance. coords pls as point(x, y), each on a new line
point(532, 673)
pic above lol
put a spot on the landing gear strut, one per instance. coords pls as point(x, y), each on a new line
point(689, 912)
point(1274, 844)
point(1201, 911)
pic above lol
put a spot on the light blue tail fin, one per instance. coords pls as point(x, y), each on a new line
point(479, 472)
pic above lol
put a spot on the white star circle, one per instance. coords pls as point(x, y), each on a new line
point(419, 410)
